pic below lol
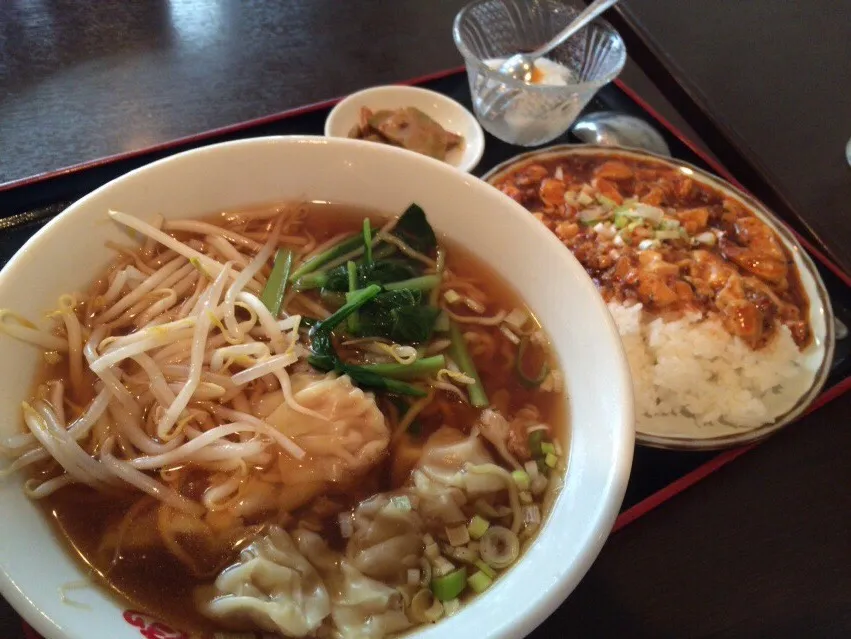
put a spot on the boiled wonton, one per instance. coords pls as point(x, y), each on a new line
point(273, 587)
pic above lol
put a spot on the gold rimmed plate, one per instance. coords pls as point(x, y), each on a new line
point(787, 401)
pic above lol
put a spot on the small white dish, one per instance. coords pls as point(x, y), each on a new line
point(445, 111)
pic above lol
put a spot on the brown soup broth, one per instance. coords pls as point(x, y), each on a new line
point(145, 574)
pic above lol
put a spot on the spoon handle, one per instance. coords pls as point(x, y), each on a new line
point(587, 15)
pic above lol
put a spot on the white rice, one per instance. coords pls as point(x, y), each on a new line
point(693, 367)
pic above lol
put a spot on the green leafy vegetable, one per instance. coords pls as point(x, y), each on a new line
point(398, 315)
point(536, 438)
point(353, 286)
point(324, 357)
point(382, 271)
point(417, 369)
point(458, 352)
point(526, 380)
point(421, 283)
point(415, 231)
point(346, 246)
point(273, 293)
point(367, 240)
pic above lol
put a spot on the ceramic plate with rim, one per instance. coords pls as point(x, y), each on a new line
point(683, 433)
point(445, 111)
point(69, 252)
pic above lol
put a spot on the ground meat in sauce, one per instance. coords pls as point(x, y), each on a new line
point(697, 250)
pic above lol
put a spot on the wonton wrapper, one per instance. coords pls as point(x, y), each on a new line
point(349, 439)
point(361, 608)
point(272, 586)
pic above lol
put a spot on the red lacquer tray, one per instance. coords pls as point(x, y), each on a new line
point(657, 475)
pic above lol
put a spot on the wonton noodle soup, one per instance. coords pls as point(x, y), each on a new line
point(300, 419)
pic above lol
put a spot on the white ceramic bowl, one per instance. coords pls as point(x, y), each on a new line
point(445, 111)
point(68, 252)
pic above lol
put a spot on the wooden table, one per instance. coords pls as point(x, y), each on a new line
point(760, 549)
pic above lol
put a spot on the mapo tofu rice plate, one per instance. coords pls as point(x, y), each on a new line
point(707, 297)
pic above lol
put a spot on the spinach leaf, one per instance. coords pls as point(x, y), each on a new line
point(398, 315)
point(379, 272)
point(415, 231)
point(324, 357)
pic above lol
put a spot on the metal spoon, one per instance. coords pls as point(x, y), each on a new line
point(521, 66)
point(618, 129)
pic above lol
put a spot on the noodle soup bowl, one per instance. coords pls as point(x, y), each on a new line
point(41, 578)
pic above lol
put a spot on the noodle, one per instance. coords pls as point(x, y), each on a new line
point(192, 414)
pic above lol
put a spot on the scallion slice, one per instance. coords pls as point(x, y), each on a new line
point(536, 438)
point(479, 581)
point(521, 478)
point(449, 586)
point(490, 572)
point(499, 547)
point(478, 526)
point(529, 382)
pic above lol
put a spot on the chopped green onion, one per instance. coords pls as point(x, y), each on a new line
point(521, 478)
point(425, 607)
point(479, 581)
point(551, 460)
point(451, 297)
point(442, 566)
point(478, 526)
point(490, 572)
point(668, 235)
point(367, 240)
point(449, 586)
point(585, 199)
point(460, 355)
point(346, 246)
point(462, 553)
point(458, 535)
point(441, 324)
point(548, 449)
point(602, 199)
point(499, 547)
point(536, 438)
point(485, 509)
point(621, 221)
point(531, 469)
point(432, 551)
point(529, 382)
point(276, 286)
point(451, 607)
